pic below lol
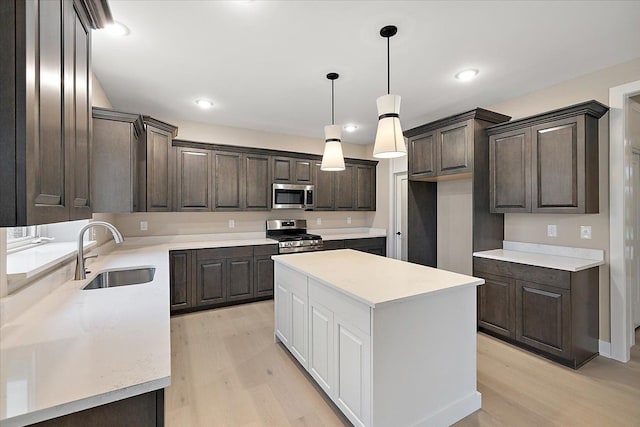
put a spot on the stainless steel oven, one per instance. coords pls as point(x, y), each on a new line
point(292, 196)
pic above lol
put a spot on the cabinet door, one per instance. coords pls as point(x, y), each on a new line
point(283, 313)
point(558, 160)
point(180, 279)
point(375, 245)
point(257, 182)
point(239, 278)
point(454, 149)
point(344, 188)
point(78, 112)
point(210, 282)
point(365, 188)
point(329, 245)
point(160, 171)
point(496, 305)
point(302, 171)
point(352, 354)
point(282, 169)
point(321, 363)
point(227, 181)
point(263, 282)
point(543, 317)
point(510, 171)
point(46, 155)
point(299, 327)
point(324, 188)
point(422, 155)
point(193, 173)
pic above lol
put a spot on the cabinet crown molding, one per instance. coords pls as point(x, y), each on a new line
point(97, 12)
point(475, 114)
point(591, 108)
point(161, 125)
point(119, 116)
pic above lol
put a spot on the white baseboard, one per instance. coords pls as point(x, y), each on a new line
point(454, 412)
point(604, 348)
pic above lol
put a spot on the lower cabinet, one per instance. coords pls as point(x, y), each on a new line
point(144, 410)
point(291, 314)
point(550, 312)
point(372, 245)
point(205, 278)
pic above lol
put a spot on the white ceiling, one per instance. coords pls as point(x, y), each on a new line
point(264, 62)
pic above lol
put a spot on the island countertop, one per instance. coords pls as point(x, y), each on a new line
point(372, 279)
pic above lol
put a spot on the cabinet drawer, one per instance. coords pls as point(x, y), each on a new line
point(328, 245)
point(292, 280)
point(367, 242)
point(265, 250)
point(354, 312)
point(229, 252)
point(545, 276)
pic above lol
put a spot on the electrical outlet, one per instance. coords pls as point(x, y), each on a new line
point(232, 223)
point(348, 220)
point(585, 231)
point(318, 221)
point(552, 230)
point(144, 225)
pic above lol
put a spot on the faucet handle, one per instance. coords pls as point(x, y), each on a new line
point(84, 259)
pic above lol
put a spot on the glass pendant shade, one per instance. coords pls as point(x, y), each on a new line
point(389, 141)
point(332, 159)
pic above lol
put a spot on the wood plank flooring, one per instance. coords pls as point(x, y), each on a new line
point(227, 371)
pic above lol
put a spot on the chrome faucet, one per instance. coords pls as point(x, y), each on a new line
point(81, 273)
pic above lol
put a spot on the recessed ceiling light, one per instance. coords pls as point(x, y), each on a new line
point(204, 103)
point(117, 29)
point(350, 127)
point(467, 75)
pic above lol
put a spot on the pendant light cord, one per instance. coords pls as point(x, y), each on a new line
point(388, 69)
point(332, 105)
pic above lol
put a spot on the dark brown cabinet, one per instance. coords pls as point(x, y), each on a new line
point(365, 185)
point(496, 305)
point(455, 147)
point(158, 166)
point(324, 188)
point(292, 171)
point(227, 181)
point(372, 245)
point(117, 138)
point(180, 278)
point(133, 167)
point(193, 179)
point(551, 312)
point(45, 124)
point(206, 278)
point(547, 163)
point(263, 267)
point(257, 182)
point(344, 187)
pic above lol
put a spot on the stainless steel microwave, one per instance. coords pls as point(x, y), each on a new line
point(292, 196)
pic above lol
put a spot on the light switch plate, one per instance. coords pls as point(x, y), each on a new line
point(318, 221)
point(144, 225)
point(585, 231)
point(552, 230)
point(348, 220)
point(232, 223)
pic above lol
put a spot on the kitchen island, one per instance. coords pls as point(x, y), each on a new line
point(391, 343)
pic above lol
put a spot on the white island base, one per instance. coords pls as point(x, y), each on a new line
point(391, 343)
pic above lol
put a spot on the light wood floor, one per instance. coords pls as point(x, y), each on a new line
point(227, 371)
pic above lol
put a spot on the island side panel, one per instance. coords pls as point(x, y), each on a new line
point(424, 359)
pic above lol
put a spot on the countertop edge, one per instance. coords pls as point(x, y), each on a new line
point(588, 263)
point(86, 403)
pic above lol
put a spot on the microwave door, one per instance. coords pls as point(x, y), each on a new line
point(288, 198)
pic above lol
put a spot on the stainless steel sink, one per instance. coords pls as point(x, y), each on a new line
point(132, 276)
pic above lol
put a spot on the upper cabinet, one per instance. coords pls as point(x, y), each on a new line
point(133, 162)
point(159, 163)
point(287, 170)
point(45, 120)
point(445, 147)
point(351, 189)
point(547, 163)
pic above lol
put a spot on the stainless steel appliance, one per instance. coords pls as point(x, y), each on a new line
point(292, 236)
point(292, 196)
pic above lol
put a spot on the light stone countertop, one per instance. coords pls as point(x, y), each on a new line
point(76, 349)
point(372, 279)
point(548, 256)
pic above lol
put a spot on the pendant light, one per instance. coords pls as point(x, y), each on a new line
point(332, 159)
point(389, 139)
